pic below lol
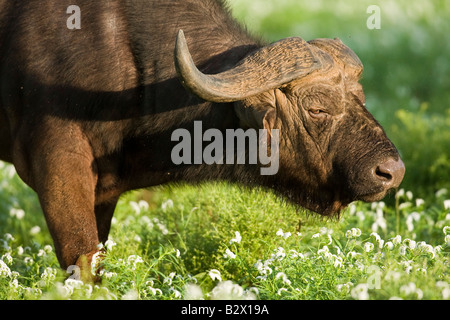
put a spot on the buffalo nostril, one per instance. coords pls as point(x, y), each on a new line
point(390, 172)
point(383, 174)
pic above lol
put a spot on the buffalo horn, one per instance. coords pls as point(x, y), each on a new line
point(264, 69)
point(341, 52)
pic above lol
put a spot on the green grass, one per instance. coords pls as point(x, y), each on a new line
point(172, 243)
point(175, 242)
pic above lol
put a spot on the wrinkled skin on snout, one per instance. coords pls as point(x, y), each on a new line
point(332, 151)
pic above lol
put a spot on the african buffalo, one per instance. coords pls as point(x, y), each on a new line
point(87, 113)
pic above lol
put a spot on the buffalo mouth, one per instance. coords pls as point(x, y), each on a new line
point(331, 199)
point(373, 197)
point(331, 203)
point(328, 203)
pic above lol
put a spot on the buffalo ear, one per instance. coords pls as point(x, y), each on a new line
point(268, 120)
point(269, 123)
point(257, 112)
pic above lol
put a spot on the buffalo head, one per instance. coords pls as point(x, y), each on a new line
point(331, 150)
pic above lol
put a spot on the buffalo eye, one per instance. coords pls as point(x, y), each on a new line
point(317, 112)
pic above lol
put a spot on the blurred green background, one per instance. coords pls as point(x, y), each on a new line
point(406, 68)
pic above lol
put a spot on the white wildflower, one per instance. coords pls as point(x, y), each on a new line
point(378, 239)
point(192, 292)
point(393, 276)
point(95, 262)
point(135, 207)
point(228, 291)
point(337, 261)
point(35, 230)
point(4, 270)
point(107, 274)
point(419, 202)
point(446, 229)
point(380, 221)
point(176, 293)
point(143, 204)
point(330, 240)
point(409, 195)
point(352, 209)
point(315, 235)
point(252, 291)
point(353, 254)
point(338, 251)
point(72, 284)
point(134, 260)
point(281, 290)
point(447, 239)
point(215, 274)
point(163, 228)
point(410, 243)
point(447, 204)
point(426, 247)
point(389, 245)
point(404, 205)
point(295, 254)
point(345, 287)
point(284, 278)
point(279, 253)
point(167, 204)
point(285, 235)
point(360, 292)
point(407, 265)
point(7, 258)
point(413, 216)
point(152, 291)
point(109, 244)
point(402, 250)
point(368, 246)
point(446, 293)
point(229, 254)
point(237, 237)
point(131, 295)
point(397, 239)
point(20, 250)
point(145, 221)
point(169, 278)
point(263, 268)
point(18, 213)
point(400, 193)
point(422, 270)
point(411, 288)
point(353, 233)
point(49, 274)
point(441, 192)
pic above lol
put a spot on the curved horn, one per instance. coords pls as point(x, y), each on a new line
point(341, 52)
point(266, 68)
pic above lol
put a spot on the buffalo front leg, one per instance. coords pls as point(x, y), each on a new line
point(64, 178)
point(104, 213)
